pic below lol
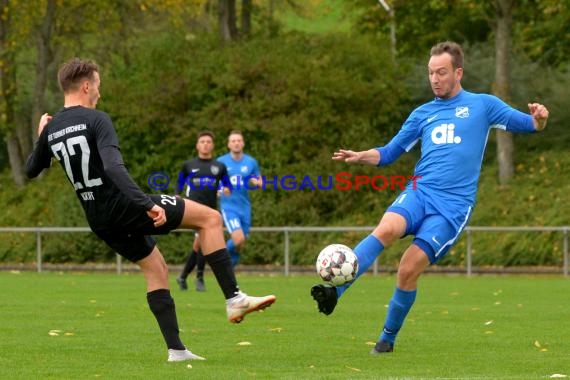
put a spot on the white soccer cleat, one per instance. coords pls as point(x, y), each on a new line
point(243, 304)
point(182, 355)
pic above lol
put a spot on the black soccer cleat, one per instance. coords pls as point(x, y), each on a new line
point(326, 297)
point(182, 283)
point(200, 286)
point(382, 347)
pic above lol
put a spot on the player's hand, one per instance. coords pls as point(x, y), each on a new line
point(226, 191)
point(46, 118)
point(539, 115)
point(346, 156)
point(157, 214)
point(255, 181)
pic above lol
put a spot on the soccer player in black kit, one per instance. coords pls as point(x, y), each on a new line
point(201, 178)
point(84, 142)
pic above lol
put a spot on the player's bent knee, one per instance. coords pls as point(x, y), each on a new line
point(214, 219)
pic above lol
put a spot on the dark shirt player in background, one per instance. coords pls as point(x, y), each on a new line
point(201, 178)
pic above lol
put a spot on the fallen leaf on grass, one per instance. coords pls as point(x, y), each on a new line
point(244, 344)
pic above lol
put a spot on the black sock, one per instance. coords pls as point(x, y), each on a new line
point(189, 265)
point(222, 267)
point(162, 306)
point(200, 265)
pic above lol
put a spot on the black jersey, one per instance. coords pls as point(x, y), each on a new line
point(202, 178)
point(85, 143)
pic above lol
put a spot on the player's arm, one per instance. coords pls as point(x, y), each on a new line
point(539, 115)
point(385, 155)
point(226, 187)
point(255, 178)
point(380, 156)
point(369, 157)
point(115, 170)
point(503, 116)
point(40, 158)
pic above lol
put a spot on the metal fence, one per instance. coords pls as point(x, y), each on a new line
point(287, 231)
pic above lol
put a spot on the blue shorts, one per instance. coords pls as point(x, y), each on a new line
point(236, 221)
point(436, 228)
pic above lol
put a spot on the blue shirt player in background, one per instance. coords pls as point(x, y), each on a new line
point(244, 174)
point(452, 130)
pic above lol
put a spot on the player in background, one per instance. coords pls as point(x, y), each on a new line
point(236, 208)
point(84, 142)
point(201, 178)
point(453, 130)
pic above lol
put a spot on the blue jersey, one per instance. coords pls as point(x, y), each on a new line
point(453, 134)
point(239, 172)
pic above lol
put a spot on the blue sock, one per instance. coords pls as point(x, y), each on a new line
point(367, 250)
point(398, 309)
point(234, 255)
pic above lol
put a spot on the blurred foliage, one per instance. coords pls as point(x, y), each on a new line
point(297, 97)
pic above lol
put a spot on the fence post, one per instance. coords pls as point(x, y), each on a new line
point(469, 242)
point(119, 264)
point(286, 231)
point(565, 253)
point(39, 250)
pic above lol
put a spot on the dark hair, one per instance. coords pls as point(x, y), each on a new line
point(453, 49)
point(205, 133)
point(73, 72)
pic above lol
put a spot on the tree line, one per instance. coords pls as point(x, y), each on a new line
point(173, 67)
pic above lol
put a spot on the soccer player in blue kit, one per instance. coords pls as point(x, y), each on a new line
point(244, 174)
point(453, 129)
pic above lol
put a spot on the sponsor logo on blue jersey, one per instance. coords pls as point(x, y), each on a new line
point(445, 134)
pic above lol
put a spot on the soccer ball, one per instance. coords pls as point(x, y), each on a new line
point(337, 264)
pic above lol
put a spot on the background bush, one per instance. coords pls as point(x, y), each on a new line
point(297, 98)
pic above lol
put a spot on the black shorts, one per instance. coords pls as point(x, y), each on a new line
point(134, 241)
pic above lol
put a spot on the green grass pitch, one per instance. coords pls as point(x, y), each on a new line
point(98, 326)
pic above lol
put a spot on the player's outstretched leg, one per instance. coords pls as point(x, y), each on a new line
point(238, 304)
point(327, 296)
point(242, 304)
point(209, 224)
